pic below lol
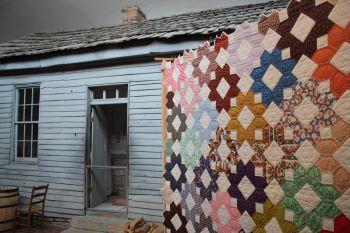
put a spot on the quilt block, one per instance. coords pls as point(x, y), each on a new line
point(257, 126)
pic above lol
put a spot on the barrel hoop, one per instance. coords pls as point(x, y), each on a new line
point(13, 195)
point(9, 190)
point(7, 221)
point(7, 206)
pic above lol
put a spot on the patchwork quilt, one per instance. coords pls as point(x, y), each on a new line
point(258, 126)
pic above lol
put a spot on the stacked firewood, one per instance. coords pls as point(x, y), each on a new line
point(139, 225)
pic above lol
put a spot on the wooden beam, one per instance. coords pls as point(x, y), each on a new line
point(164, 115)
point(163, 59)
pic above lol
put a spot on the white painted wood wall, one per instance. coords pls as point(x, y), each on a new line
point(62, 134)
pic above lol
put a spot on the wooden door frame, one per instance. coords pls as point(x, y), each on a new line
point(87, 162)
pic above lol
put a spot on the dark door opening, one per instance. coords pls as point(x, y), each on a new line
point(108, 168)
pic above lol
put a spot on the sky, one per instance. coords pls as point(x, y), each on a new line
point(21, 17)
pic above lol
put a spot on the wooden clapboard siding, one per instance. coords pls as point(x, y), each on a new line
point(62, 137)
point(145, 142)
point(6, 96)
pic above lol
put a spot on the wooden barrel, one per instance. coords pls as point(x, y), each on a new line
point(8, 204)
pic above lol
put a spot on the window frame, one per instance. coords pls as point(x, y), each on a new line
point(104, 100)
point(16, 123)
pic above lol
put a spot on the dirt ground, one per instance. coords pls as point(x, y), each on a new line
point(39, 229)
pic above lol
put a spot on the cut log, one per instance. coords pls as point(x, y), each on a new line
point(136, 221)
point(139, 225)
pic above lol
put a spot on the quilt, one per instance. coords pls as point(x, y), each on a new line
point(257, 126)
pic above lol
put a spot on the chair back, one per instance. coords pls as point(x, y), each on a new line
point(38, 195)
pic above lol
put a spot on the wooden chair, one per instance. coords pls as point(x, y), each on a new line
point(35, 206)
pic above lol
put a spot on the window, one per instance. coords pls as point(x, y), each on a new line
point(110, 92)
point(26, 123)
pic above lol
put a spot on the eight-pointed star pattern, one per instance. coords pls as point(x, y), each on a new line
point(223, 151)
point(307, 110)
point(174, 219)
point(175, 172)
point(223, 88)
point(246, 114)
point(309, 199)
point(205, 122)
point(273, 76)
point(176, 123)
point(246, 187)
point(244, 49)
point(224, 215)
point(191, 203)
point(271, 218)
point(206, 178)
point(189, 95)
point(175, 74)
point(204, 65)
point(190, 148)
point(305, 23)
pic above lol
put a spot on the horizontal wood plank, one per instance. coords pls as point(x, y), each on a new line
point(62, 137)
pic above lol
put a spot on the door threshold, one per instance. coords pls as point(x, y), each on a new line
point(109, 208)
point(121, 213)
point(121, 210)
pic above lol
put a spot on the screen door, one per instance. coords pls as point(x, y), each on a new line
point(100, 174)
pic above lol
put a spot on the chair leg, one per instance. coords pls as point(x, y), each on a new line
point(42, 217)
point(30, 219)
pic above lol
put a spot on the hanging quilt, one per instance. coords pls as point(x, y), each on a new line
point(257, 126)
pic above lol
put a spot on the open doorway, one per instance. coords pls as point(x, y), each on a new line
point(108, 163)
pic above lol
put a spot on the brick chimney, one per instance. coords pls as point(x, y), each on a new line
point(132, 14)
